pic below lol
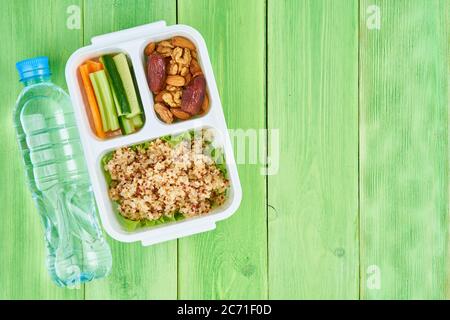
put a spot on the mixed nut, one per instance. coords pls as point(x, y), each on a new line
point(176, 79)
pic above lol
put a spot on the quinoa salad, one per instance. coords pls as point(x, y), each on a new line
point(167, 179)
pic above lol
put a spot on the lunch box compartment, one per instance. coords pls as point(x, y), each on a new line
point(132, 42)
point(95, 57)
point(200, 62)
point(217, 142)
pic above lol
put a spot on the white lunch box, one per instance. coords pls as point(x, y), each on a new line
point(132, 42)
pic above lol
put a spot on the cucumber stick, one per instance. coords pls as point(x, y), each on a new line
point(123, 68)
point(116, 101)
point(117, 86)
point(105, 100)
point(130, 125)
point(101, 103)
point(138, 122)
point(126, 125)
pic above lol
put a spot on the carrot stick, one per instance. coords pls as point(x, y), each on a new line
point(85, 69)
point(94, 66)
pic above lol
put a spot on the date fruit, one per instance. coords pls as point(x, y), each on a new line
point(156, 69)
point(193, 95)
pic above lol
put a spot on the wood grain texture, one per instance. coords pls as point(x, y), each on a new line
point(138, 272)
point(404, 151)
point(231, 261)
point(313, 102)
point(25, 34)
point(302, 237)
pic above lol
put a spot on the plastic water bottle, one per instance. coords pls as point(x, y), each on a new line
point(58, 178)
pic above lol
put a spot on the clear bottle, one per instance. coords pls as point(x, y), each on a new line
point(57, 176)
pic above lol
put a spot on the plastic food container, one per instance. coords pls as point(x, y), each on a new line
point(132, 42)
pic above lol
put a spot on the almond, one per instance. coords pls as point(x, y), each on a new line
point(163, 112)
point(198, 73)
point(176, 81)
point(179, 114)
point(183, 43)
point(205, 105)
point(159, 96)
point(188, 77)
point(149, 48)
point(195, 67)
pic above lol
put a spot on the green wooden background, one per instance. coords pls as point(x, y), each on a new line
point(359, 206)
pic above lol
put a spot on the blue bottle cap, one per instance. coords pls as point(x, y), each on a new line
point(34, 67)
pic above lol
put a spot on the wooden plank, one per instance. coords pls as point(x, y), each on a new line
point(231, 261)
point(29, 28)
point(138, 272)
point(313, 102)
point(404, 151)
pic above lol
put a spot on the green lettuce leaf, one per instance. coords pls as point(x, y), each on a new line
point(219, 158)
point(127, 224)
